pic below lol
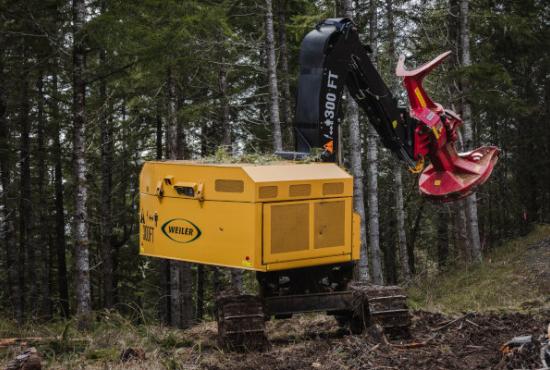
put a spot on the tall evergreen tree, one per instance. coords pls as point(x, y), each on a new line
point(372, 166)
point(396, 168)
point(60, 239)
point(8, 210)
point(106, 223)
point(471, 203)
point(43, 257)
point(26, 249)
point(356, 156)
point(286, 99)
point(80, 217)
point(274, 113)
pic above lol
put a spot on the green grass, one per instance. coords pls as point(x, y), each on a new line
point(64, 347)
point(503, 281)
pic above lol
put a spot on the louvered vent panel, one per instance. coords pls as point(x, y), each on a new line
point(268, 192)
point(333, 188)
point(301, 190)
point(289, 228)
point(229, 186)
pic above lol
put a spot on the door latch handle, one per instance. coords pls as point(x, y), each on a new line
point(190, 190)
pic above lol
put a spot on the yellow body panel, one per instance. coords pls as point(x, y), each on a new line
point(257, 217)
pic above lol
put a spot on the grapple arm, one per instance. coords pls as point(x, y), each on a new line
point(331, 57)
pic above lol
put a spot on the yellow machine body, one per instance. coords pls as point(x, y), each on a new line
point(257, 217)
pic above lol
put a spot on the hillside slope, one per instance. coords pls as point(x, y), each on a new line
point(514, 276)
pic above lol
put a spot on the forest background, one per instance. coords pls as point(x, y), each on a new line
point(89, 90)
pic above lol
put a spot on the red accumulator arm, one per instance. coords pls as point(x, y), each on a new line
point(450, 175)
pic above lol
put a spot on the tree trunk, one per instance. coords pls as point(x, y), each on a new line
point(413, 235)
point(159, 132)
point(216, 280)
point(347, 6)
point(461, 231)
point(172, 141)
point(183, 149)
point(442, 237)
point(237, 279)
point(43, 241)
point(57, 153)
point(400, 223)
point(356, 156)
point(225, 119)
point(397, 173)
point(80, 217)
point(8, 210)
point(181, 298)
point(373, 213)
point(200, 292)
point(453, 27)
point(272, 75)
point(62, 281)
point(286, 99)
point(26, 256)
point(106, 216)
point(390, 257)
point(124, 197)
point(471, 204)
point(176, 303)
point(373, 27)
point(372, 171)
point(473, 227)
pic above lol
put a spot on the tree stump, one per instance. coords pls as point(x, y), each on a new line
point(29, 359)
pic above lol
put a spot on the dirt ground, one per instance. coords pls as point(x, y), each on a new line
point(471, 342)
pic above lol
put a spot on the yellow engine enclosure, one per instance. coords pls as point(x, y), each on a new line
point(257, 217)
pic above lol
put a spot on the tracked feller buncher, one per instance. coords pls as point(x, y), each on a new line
point(293, 222)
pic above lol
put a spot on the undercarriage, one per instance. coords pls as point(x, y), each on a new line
point(330, 289)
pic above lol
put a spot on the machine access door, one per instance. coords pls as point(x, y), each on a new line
point(301, 230)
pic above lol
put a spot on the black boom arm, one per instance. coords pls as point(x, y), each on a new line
point(331, 57)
